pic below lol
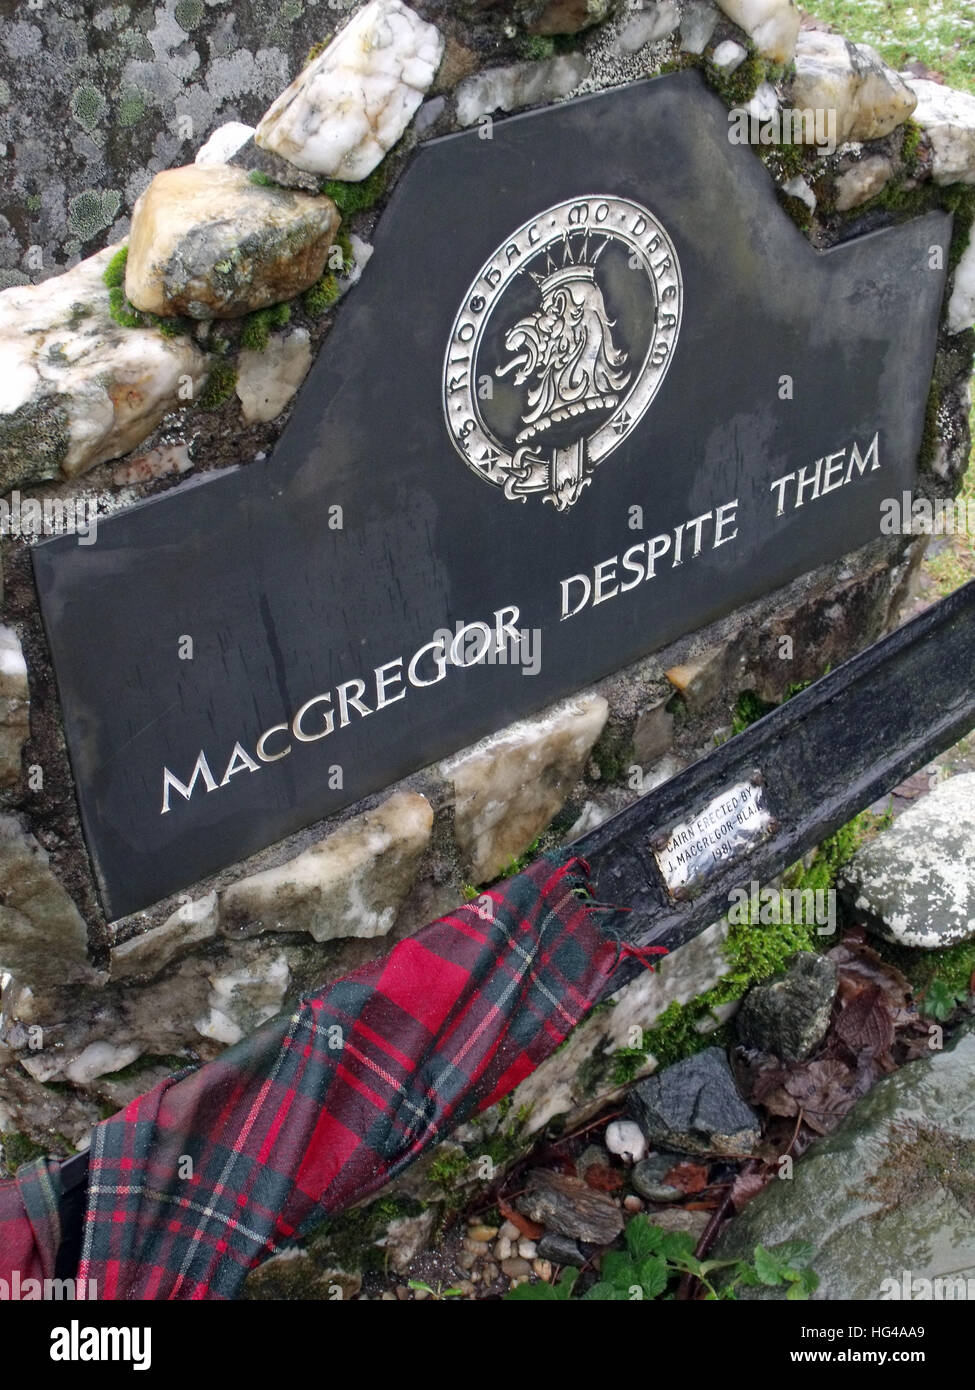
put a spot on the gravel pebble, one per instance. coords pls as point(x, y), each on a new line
point(482, 1233)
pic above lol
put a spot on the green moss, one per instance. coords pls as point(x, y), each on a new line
point(261, 179)
point(911, 144)
point(114, 273)
point(124, 314)
point(613, 754)
point(219, 386)
point(322, 296)
point(351, 198)
point(737, 88)
point(756, 952)
point(18, 1149)
point(749, 707)
point(796, 209)
point(449, 1169)
point(256, 333)
point(316, 51)
point(628, 1062)
point(349, 1241)
point(536, 47)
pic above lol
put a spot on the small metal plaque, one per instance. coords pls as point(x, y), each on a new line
point(730, 825)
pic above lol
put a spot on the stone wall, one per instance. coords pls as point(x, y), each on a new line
point(122, 379)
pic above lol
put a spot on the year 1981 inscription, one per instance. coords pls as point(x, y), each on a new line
point(733, 823)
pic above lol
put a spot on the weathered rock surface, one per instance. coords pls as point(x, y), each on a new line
point(961, 306)
point(225, 141)
point(947, 118)
point(243, 998)
point(14, 706)
point(915, 882)
point(75, 387)
point(293, 1274)
point(869, 98)
point(568, 1083)
point(789, 1016)
point(209, 243)
point(646, 26)
point(350, 884)
point(564, 16)
point(700, 678)
point(268, 380)
point(888, 1198)
point(649, 1179)
point(697, 23)
point(694, 1107)
point(190, 925)
point(43, 941)
point(520, 84)
point(568, 1207)
point(862, 181)
point(354, 101)
point(772, 25)
point(510, 785)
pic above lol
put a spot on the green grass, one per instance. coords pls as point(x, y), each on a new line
point(939, 33)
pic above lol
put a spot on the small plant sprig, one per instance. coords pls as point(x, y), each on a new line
point(654, 1259)
point(439, 1293)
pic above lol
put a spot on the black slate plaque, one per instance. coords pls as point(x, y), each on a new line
point(555, 404)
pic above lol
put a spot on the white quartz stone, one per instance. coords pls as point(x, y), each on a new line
point(948, 119)
point(350, 106)
point(508, 787)
point(862, 181)
point(728, 56)
point(764, 103)
point(225, 141)
point(646, 26)
point(961, 306)
point(625, 1138)
point(100, 1058)
point(352, 883)
point(266, 381)
point(62, 355)
point(851, 80)
point(771, 24)
point(520, 84)
point(799, 188)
